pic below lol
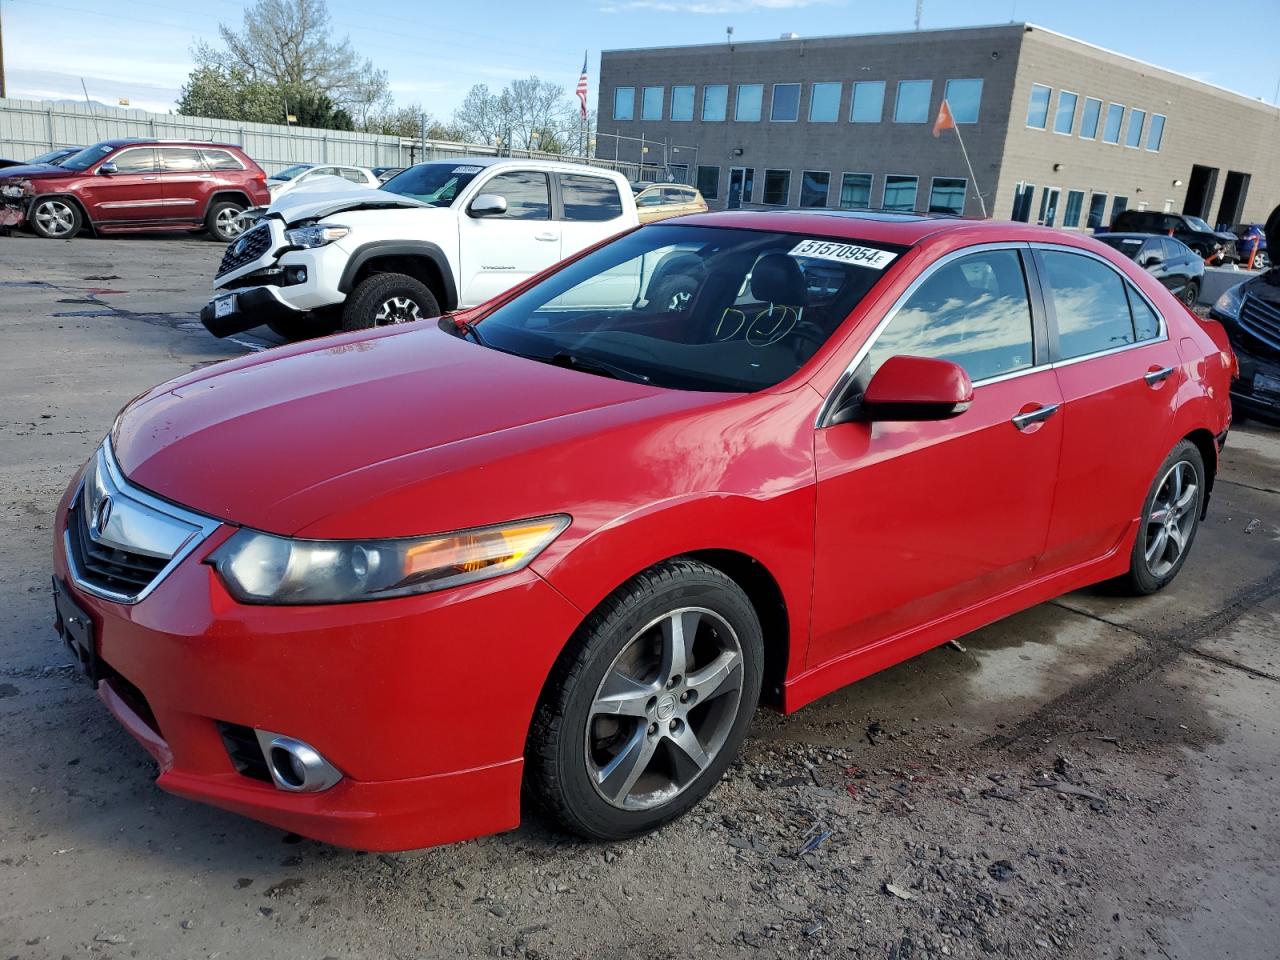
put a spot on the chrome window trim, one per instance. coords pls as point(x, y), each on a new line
point(121, 488)
point(1020, 245)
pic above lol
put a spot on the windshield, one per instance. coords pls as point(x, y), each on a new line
point(692, 308)
point(49, 157)
point(1198, 224)
point(87, 157)
point(1126, 245)
point(436, 184)
point(289, 173)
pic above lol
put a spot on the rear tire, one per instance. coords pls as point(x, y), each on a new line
point(1170, 519)
point(55, 218)
point(383, 299)
point(1190, 293)
point(649, 703)
point(224, 222)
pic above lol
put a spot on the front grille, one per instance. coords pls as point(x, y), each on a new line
point(246, 248)
point(104, 566)
point(1261, 320)
point(245, 751)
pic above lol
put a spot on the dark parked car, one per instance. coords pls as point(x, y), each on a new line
point(386, 173)
point(1251, 234)
point(1195, 233)
point(129, 185)
point(1170, 261)
point(1251, 313)
point(53, 157)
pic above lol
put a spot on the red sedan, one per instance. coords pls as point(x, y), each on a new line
point(367, 588)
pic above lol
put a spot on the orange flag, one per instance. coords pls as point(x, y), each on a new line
point(945, 121)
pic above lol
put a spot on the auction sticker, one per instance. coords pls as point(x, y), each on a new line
point(467, 169)
point(844, 253)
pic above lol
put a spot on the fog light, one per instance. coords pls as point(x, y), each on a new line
point(296, 766)
point(295, 275)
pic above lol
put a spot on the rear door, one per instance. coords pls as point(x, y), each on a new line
point(497, 252)
point(186, 181)
point(132, 194)
point(1119, 375)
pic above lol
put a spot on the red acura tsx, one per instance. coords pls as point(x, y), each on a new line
point(375, 588)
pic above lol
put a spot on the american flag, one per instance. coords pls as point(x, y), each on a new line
point(582, 87)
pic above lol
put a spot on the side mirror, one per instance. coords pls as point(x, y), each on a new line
point(1152, 260)
point(108, 168)
point(488, 205)
point(912, 389)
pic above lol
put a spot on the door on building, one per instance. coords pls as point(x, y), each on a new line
point(1048, 206)
point(741, 185)
point(1022, 195)
point(1200, 188)
point(1234, 190)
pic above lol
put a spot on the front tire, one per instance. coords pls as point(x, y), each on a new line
point(1170, 519)
point(383, 299)
point(55, 218)
point(649, 703)
point(1190, 293)
point(225, 221)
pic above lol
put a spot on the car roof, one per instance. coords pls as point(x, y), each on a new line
point(152, 141)
point(563, 166)
point(1120, 235)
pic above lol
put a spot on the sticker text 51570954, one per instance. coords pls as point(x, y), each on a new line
point(849, 253)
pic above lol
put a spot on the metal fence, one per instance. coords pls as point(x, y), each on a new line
point(31, 127)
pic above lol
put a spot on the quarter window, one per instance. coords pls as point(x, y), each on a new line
point(824, 102)
point(589, 198)
point(138, 160)
point(709, 182)
point(1064, 121)
point(1146, 325)
point(651, 103)
point(814, 187)
point(1155, 133)
point(682, 103)
point(750, 102)
point(624, 103)
point(868, 102)
point(786, 103)
point(855, 191)
point(1115, 120)
point(221, 160)
point(900, 193)
point(527, 194)
point(777, 187)
point(1089, 118)
point(964, 97)
point(715, 102)
point(1136, 119)
point(973, 311)
point(1038, 106)
point(913, 101)
point(1091, 304)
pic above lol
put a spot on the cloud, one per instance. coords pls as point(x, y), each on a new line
point(710, 6)
point(55, 85)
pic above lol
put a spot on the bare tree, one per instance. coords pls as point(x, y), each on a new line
point(528, 114)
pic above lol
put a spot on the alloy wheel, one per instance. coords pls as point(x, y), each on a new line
point(664, 709)
point(1172, 518)
point(397, 310)
point(55, 217)
point(230, 222)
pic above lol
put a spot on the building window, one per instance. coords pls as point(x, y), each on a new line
point(946, 195)
point(750, 98)
point(913, 101)
point(1097, 207)
point(900, 193)
point(1048, 206)
point(964, 97)
point(715, 101)
point(1118, 206)
point(1038, 106)
point(682, 103)
point(777, 187)
point(624, 103)
point(814, 187)
point(1115, 120)
point(1075, 203)
point(1136, 120)
point(1155, 133)
point(1022, 194)
point(709, 182)
point(868, 102)
point(824, 102)
point(1089, 119)
point(855, 191)
point(786, 103)
point(651, 103)
point(1064, 121)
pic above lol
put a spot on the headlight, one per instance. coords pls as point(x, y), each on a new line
point(316, 235)
point(1229, 303)
point(13, 190)
point(263, 568)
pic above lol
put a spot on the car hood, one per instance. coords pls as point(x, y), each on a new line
point(322, 430)
point(37, 171)
point(299, 204)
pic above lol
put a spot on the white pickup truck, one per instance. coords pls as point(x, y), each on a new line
point(439, 236)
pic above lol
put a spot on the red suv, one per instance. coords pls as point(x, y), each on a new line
point(132, 185)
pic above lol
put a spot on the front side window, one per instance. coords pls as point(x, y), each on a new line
point(1155, 134)
point(1115, 120)
point(785, 106)
point(946, 195)
point(900, 193)
point(1075, 204)
point(682, 103)
point(709, 182)
point(750, 102)
point(589, 198)
point(181, 160)
point(715, 102)
point(1097, 210)
point(1064, 121)
point(527, 193)
point(1089, 118)
point(855, 191)
point(1136, 120)
point(814, 186)
point(964, 97)
point(137, 160)
point(437, 184)
point(756, 305)
point(777, 187)
point(1091, 304)
point(868, 102)
point(913, 101)
point(1038, 107)
point(824, 102)
point(651, 103)
point(973, 311)
point(624, 103)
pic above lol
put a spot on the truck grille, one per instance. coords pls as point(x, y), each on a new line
point(1261, 320)
point(246, 248)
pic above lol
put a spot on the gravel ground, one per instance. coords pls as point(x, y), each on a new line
point(1091, 778)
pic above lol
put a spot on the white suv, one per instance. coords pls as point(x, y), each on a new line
point(309, 175)
point(439, 236)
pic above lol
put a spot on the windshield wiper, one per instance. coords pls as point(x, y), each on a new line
point(460, 328)
point(601, 368)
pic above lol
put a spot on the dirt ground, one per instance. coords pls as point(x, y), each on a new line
point(1095, 777)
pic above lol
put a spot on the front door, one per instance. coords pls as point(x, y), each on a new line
point(496, 252)
point(916, 521)
point(132, 193)
point(740, 187)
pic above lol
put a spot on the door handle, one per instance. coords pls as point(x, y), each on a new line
point(151, 178)
point(1156, 377)
point(547, 236)
point(1024, 420)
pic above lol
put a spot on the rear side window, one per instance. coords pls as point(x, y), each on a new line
point(137, 160)
point(352, 174)
point(973, 311)
point(677, 195)
point(1094, 307)
point(221, 160)
point(589, 198)
point(181, 160)
point(527, 194)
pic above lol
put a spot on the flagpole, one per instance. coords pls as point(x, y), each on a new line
point(972, 179)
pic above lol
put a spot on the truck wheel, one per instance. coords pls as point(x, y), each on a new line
point(381, 299)
point(224, 221)
point(55, 219)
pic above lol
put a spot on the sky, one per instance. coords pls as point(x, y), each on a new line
point(434, 52)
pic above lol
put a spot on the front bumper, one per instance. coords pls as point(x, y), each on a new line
point(254, 307)
point(422, 703)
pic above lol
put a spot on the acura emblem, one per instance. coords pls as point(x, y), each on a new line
point(102, 515)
